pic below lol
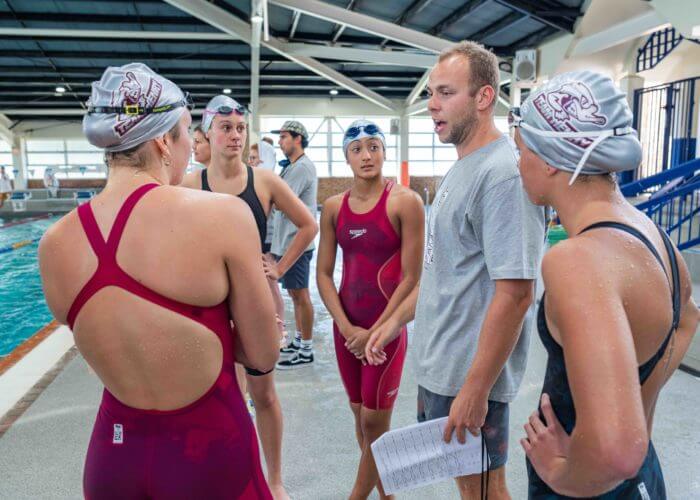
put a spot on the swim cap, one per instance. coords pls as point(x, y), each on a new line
point(222, 105)
point(130, 105)
point(359, 129)
point(580, 122)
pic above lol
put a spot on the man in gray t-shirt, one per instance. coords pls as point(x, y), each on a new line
point(474, 307)
point(300, 173)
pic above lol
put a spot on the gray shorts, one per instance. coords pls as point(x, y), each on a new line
point(495, 430)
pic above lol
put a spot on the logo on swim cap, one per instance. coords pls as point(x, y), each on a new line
point(573, 101)
point(130, 93)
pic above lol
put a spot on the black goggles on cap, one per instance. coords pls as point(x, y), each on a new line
point(136, 110)
point(227, 110)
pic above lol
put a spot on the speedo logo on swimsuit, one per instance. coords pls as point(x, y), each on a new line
point(392, 393)
point(118, 437)
point(356, 233)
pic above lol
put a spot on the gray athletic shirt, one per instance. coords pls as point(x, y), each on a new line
point(301, 177)
point(481, 228)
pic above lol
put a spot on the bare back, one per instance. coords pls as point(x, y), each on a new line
point(146, 355)
point(609, 294)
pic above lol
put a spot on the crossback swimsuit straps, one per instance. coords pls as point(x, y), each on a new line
point(371, 273)
point(648, 484)
point(208, 449)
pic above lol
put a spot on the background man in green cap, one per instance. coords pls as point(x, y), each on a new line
point(300, 174)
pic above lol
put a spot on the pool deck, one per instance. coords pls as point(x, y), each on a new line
point(42, 452)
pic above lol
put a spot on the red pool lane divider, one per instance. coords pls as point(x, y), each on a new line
point(24, 221)
point(18, 245)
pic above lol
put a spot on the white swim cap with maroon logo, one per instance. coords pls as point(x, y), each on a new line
point(133, 84)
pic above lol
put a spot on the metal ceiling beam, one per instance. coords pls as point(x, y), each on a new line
point(415, 8)
point(295, 23)
point(621, 32)
point(194, 89)
point(229, 23)
point(257, 33)
point(131, 56)
point(58, 17)
point(501, 25)
point(416, 92)
point(48, 86)
point(531, 40)
point(531, 10)
point(416, 107)
point(399, 58)
point(457, 16)
point(114, 34)
point(340, 28)
point(367, 24)
point(197, 74)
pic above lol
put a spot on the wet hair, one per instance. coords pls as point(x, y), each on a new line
point(137, 157)
point(483, 65)
point(304, 142)
point(269, 141)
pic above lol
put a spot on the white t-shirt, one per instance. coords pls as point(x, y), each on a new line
point(5, 184)
point(268, 158)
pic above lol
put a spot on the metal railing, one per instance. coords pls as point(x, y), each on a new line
point(677, 212)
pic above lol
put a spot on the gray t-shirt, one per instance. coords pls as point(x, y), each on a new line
point(301, 177)
point(482, 228)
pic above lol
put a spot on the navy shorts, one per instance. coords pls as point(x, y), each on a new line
point(266, 248)
point(298, 275)
point(495, 430)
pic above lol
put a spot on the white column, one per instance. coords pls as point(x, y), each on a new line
point(629, 84)
point(403, 145)
point(403, 138)
point(19, 163)
point(329, 144)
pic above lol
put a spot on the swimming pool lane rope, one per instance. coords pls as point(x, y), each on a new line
point(18, 245)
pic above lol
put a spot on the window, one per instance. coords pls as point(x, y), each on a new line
point(427, 156)
point(70, 158)
point(6, 158)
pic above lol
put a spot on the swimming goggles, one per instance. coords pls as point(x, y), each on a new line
point(227, 110)
point(516, 120)
point(136, 110)
point(370, 129)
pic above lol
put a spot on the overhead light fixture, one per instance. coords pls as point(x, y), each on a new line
point(227, 91)
point(60, 89)
point(333, 92)
point(256, 19)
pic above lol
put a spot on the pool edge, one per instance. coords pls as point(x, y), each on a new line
point(19, 352)
point(33, 370)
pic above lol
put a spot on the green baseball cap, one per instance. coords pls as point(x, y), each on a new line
point(293, 126)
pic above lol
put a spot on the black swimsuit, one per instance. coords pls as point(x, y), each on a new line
point(251, 198)
point(648, 484)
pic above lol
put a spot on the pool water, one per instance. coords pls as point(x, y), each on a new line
point(23, 309)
